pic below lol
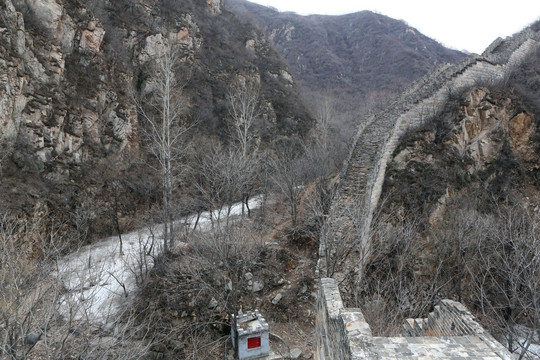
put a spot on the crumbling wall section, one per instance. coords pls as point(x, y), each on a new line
point(342, 334)
point(449, 332)
point(451, 318)
point(364, 170)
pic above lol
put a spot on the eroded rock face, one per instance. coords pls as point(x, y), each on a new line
point(12, 100)
point(521, 130)
point(489, 142)
point(215, 6)
point(487, 125)
point(480, 134)
point(154, 45)
point(92, 38)
point(42, 105)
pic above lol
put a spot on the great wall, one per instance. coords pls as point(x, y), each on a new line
point(343, 333)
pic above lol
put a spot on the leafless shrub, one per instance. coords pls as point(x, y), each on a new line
point(504, 270)
point(394, 285)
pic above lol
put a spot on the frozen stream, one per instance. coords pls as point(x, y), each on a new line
point(99, 280)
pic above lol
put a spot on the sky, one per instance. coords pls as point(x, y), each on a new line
point(459, 24)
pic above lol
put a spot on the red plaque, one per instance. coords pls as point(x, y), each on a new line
point(254, 342)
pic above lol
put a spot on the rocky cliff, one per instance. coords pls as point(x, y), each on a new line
point(70, 71)
point(482, 143)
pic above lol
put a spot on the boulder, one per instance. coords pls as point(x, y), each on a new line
point(213, 303)
point(295, 353)
point(277, 299)
point(257, 286)
point(32, 338)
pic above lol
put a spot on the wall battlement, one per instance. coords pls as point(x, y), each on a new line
point(343, 333)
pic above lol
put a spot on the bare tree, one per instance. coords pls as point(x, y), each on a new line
point(33, 317)
point(245, 110)
point(115, 210)
point(83, 216)
point(230, 252)
point(504, 267)
point(320, 157)
point(26, 295)
point(324, 116)
point(204, 286)
point(320, 149)
point(488, 259)
point(164, 109)
point(46, 301)
point(338, 248)
point(220, 181)
point(491, 262)
point(394, 287)
point(289, 170)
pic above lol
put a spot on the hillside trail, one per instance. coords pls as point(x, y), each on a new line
point(99, 281)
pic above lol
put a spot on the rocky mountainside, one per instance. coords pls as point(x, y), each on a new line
point(70, 72)
point(356, 57)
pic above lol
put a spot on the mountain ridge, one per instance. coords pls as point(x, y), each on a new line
point(359, 57)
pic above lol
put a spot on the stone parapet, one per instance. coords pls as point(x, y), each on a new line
point(340, 332)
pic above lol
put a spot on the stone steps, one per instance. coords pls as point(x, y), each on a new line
point(449, 318)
